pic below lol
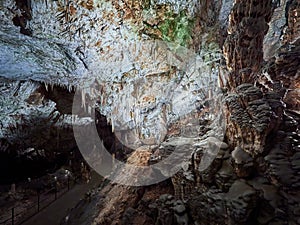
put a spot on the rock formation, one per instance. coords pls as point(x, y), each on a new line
point(212, 86)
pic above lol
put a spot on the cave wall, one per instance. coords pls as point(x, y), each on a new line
point(254, 179)
point(250, 48)
point(257, 183)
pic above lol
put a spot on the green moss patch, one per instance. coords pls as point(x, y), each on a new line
point(169, 26)
point(177, 28)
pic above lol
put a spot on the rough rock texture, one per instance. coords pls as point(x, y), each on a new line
point(249, 117)
point(106, 51)
point(248, 23)
point(134, 205)
point(32, 132)
point(249, 177)
point(113, 58)
point(255, 180)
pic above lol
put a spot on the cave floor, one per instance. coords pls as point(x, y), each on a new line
point(54, 213)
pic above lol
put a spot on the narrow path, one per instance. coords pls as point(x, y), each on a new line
point(53, 214)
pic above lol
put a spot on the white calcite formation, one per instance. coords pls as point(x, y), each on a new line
point(140, 84)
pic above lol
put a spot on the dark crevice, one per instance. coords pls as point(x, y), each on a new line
point(26, 14)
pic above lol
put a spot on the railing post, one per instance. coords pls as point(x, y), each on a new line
point(55, 186)
point(13, 216)
point(38, 195)
point(68, 182)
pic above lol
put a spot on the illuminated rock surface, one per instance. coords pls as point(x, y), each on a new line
point(153, 71)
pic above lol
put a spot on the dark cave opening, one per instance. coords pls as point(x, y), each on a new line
point(52, 146)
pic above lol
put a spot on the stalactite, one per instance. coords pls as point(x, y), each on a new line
point(46, 86)
point(101, 99)
point(112, 125)
point(83, 103)
point(73, 119)
point(69, 88)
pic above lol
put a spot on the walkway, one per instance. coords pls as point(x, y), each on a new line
point(54, 213)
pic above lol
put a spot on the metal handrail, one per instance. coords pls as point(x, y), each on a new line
point(37, 203)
